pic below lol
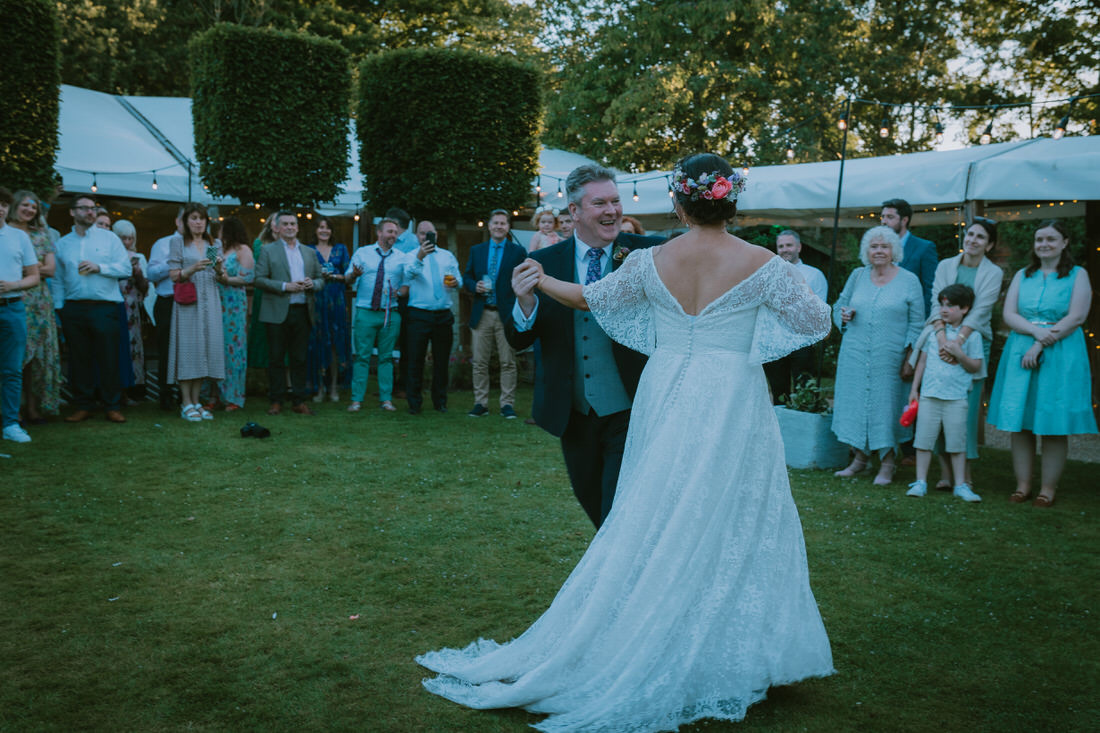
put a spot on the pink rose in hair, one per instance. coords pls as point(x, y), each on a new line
point(721, 188)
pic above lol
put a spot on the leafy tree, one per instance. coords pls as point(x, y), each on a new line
point(29, 88)
point(447, 134)
point(257, 137)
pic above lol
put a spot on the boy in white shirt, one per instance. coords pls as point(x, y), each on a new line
point(942, 388)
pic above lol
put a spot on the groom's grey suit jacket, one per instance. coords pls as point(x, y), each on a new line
point(272, 270)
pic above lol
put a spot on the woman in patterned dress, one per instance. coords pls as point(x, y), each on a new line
point(236, 273)
point(881, 312)
point(329, 343)
point(134, 289)
point(196, 349)
point(42, 363)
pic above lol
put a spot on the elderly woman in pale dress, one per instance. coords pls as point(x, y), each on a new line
point(880, 312)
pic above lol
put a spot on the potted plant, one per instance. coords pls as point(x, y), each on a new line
point(805, 421)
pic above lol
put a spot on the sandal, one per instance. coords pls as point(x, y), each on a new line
point(1019, 497)
point(855, 467)
point(885, 475)
point(191, 413)
point(1043, 501)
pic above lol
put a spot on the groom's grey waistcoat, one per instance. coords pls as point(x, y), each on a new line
point(596, 382)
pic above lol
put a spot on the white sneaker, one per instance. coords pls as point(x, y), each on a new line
point(918, 488)
point(965, 493)
point(16, 434)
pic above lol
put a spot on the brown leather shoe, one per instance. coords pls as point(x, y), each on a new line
point(78, 416)
point(275, 409)
point(302, 409)
point(115, 416)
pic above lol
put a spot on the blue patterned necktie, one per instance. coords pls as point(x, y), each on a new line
point(494, 267)
point(594, 271)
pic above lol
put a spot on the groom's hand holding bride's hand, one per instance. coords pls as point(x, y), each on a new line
point(525, 278)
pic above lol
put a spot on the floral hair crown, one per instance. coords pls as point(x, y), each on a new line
point(546, 210)
point(709, 186)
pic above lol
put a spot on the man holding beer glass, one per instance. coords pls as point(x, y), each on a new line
point(432, 277)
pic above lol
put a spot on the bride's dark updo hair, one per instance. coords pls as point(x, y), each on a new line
point(696, 205)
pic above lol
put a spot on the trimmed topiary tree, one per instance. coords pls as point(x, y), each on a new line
point(29, 87)
point(270, 110)
point(447, 134)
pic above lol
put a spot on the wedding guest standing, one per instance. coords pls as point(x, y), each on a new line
point(487, 277)
point(134, 289)
point(1043, 382)
point(565, 224)
point(90, 262)
point(432, 276)
point(162, 311)
point(290, 275)
point(545, 221)
point(197, 349)
point(329, 343)
point(919, 255)
point(788, 372)
point(42, 361)
point(18, 273)
point(880, 312)
point(377, 321)
point(631, 225)
point(974, 269)
point(236, 273)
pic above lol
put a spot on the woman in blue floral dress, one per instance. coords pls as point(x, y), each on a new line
point(329, 344)
point(236, 274)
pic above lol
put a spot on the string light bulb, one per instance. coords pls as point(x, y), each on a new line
point(356, 217)
point(95, 187)
point(1060, 130)
point(560, 194)
point(842, 122)
point(538, 186)
point(635, 196)
point(884, 127)
point(987, 136)
point(745, 170)
point(256, 205)
point(939, 133)
point(790, 151)
point(155, 187)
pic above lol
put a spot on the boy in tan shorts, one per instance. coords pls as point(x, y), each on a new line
point(942, 388)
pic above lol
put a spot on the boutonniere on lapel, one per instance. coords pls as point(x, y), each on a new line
point(619, 252)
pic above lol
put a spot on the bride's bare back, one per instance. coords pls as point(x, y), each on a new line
point(704, 264)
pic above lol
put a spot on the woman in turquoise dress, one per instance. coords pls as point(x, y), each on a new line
point(1043, 385)
point(329, 343)
point(236, 274)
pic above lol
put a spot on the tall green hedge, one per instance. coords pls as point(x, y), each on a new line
point(30, 85)
point(270, 110)
point(447, 133)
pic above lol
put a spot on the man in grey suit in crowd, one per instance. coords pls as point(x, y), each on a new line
point(289, 274)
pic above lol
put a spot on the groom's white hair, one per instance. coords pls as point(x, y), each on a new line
point(588, 173)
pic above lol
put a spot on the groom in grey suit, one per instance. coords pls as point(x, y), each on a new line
point(289, 274)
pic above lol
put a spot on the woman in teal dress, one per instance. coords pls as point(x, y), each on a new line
point(236, 274)
point(329, 342)
point(1043, 385)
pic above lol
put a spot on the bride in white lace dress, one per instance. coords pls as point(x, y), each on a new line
point(694, 597)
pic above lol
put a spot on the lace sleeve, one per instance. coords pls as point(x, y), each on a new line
point(791, 316)
point(620, 304)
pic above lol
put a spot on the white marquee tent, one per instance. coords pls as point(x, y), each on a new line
point(119, 143)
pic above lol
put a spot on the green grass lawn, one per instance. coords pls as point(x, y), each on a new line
point(162, 575)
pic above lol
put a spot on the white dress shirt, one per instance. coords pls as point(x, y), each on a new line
point(815, 278)
point(102, 247)
point(580, 270)
point(297, 270)
point(367, 259)
point(158, 266)
point(425, 280)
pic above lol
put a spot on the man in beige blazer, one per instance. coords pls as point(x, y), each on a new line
point(289, 274)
